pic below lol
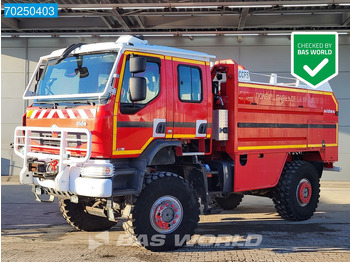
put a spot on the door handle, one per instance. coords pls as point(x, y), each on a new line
point(202, 129)
point(160, 129)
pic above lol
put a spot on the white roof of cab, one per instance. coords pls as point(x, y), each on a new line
point(135, 44)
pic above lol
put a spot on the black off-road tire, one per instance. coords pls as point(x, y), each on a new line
point(156, 186)
point(79, 218)
point(285, 195)
point(230, 202)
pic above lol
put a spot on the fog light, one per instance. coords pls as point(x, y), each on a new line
point(106, 170)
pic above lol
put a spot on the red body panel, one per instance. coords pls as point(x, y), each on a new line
point(272, 121)
point(97, 119)
point(259, 171)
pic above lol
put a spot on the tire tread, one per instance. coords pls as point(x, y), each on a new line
point(282, 195)
point(81, 220)
point(130, 227)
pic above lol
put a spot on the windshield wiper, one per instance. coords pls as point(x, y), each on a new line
point(67, 51)
point(91, 103)
point(48, 103)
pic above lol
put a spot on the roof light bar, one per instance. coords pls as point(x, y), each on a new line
point(198, 34)
point(196, 7)
point(278, 34)
point(240, 34)
point(90, 8)
point(250, 6)
point(74, 35)
point(304, 5)
point(158, 35)
point(34, 35)
point(142, 7)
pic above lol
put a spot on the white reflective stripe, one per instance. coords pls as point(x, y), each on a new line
point(93, 111)
point(83, 114)
point(60, 114)
point(34, 113)
point(70, 113)
point(51, 113)
point(42, 114)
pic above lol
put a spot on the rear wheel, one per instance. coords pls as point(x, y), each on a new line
point(229, 202)
point(165, 214)
point(77, 216)
point(297, 194)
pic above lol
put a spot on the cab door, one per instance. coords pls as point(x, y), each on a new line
point(190, 99)
point(139, 123)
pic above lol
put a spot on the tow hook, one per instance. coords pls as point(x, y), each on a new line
point(53, 164)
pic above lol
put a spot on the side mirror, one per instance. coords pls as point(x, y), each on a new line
point(84, 72)
point(137, 88)
point(137, 64)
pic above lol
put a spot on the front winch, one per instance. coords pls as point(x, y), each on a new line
point(43, 169)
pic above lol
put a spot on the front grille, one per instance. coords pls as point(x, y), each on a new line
point(52, 139)
point(53, 143)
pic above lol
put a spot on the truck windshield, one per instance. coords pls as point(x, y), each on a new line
point(77, 74)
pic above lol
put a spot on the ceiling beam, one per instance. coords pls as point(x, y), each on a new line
point(243, 18)
point(346, 19)
point(108, 24)
point(11, 22)
point(194, 33)
point(84, 14)
point(202, 13)
point(199, 12)
point(114, 12)
point(139, 21)
point(184, 13)
point(173, 29)
point(175, 4)
point(120, 19)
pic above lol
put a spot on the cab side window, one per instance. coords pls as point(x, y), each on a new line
point(152, 76)
point(189, 83)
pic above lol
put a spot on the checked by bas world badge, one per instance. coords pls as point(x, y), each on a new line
point(314, 57)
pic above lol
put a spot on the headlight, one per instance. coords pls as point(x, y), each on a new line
point(105, 171)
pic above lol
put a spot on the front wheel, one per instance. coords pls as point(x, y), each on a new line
point(165, 214)
point(297, 194)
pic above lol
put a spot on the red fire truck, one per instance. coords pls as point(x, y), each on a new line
point(149, 135)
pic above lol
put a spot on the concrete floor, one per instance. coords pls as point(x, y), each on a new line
point(34, 231)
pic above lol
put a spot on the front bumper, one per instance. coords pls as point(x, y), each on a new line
point(93, 187)
point(68, 178)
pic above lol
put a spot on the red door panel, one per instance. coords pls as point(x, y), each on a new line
point(190, 100)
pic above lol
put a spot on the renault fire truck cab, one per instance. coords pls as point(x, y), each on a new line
point(136, 132)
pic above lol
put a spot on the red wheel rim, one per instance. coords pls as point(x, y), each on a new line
point(166, 214)
point(304, 192)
